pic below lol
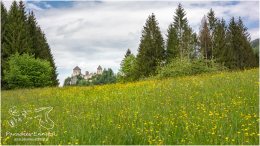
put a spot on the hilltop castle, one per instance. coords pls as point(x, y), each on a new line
point(86, 76)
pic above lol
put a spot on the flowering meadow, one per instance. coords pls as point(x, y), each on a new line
point(216, 108)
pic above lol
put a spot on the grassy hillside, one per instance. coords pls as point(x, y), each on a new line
point(218, 108)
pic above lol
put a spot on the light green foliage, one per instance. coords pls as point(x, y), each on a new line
point(211, 109)
point(27, 72)
point(127, 70)
point(183, 67)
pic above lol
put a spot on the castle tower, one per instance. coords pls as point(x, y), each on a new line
point(76, 71)
point(99, 70)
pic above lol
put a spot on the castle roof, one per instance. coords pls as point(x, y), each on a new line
point(99, 67)
point(76, 68)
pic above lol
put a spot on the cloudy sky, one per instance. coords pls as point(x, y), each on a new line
point(92, 33)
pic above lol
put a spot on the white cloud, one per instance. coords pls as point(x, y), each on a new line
point(7, 4)
point(254, 32)
point(91, 33)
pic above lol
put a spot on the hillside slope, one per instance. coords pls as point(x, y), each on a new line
point(219, 108)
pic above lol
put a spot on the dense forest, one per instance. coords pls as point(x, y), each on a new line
point(20, 34)
point(217, 46)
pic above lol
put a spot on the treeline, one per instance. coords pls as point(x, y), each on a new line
point(21, 34)
point(218, 45)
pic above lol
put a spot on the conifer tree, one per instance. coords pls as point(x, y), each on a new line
point(22, 34)
point(44, 52)
point(128, 53)
point(212, 20)
point(246, 54)
point(239, 53)
point(4, 53)
point(3, 23)
point(220, 41)
point(233, 46)
point(127, 67)
point(180, 41)
point(33, 42)
point(172, 49)
point(40, 47)
point(151, 51)
point(204, 38)
point(194, 52)
point(180, 24)
point(16, 35)
point(189, 40)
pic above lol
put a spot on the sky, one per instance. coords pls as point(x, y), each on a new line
point(92, 33)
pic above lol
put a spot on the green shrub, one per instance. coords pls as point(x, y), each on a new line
point(127, 72)
point(27, 72)
point(183, 67)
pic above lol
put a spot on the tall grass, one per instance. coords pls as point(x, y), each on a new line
point(220, 108)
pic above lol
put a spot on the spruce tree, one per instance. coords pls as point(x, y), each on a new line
point(233, 46)
point(239, 53)
point(4, 53)
point(44, 52)
point(180, 24)
point(180, 38)
point(127, 67)
point(16, 31)
point(246, 55)
point(204, 38)
point(194, 52)
point(220, 41)
point(212, 20)
point(172, 49)
point(189, 44)
point(3, 23)
point(33, 42)
point(40, 47)
point(151, 51)
point(128, 53)
point(23, 35)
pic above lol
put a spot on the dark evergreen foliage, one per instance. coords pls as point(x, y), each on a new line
point(239, 53)
point(172, 44)
point(220, 41)
point(20, 33)
point(4, 53)
point(151, 51)
point(128, 53)
point(181, 41)
point(212, 20)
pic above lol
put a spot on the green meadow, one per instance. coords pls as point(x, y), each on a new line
point(215, 108)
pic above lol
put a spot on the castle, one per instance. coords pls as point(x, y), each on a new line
point(86, 76)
